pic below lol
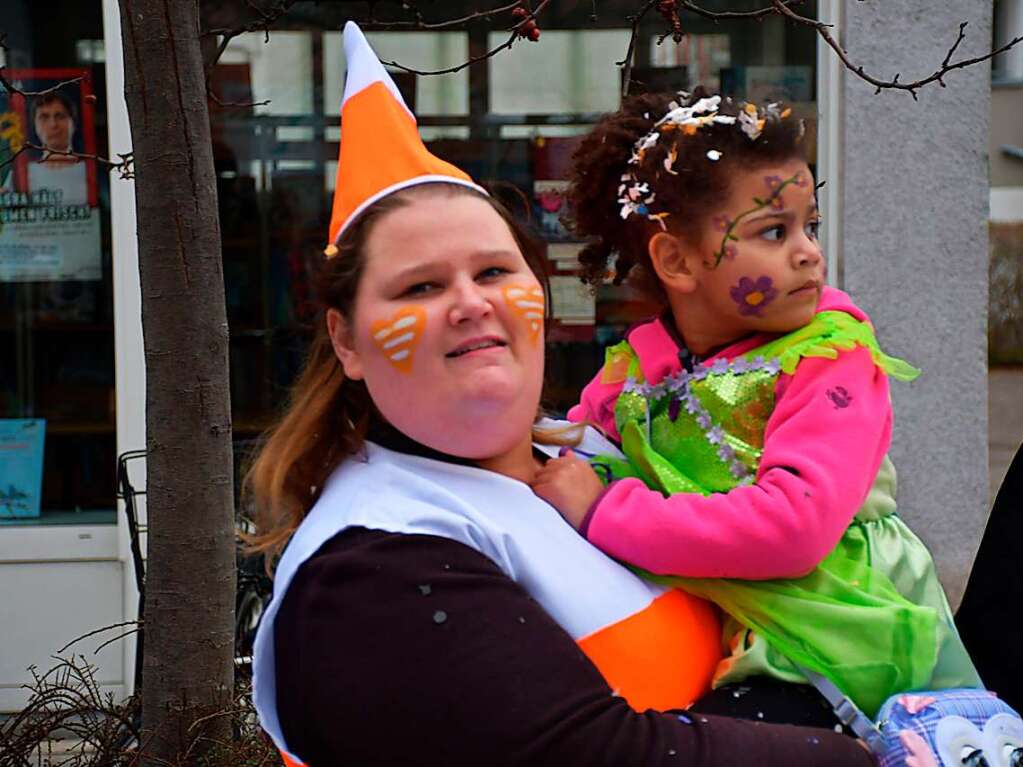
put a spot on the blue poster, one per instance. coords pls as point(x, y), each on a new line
point(21, 466)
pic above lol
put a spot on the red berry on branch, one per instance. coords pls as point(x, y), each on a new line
point(534, 34)
point(669, 10)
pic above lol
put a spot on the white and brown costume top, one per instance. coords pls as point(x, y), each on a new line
point(428, 611)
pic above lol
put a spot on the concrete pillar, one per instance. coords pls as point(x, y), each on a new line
point(913, 184)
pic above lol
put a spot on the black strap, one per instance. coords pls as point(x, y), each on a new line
point(847, 712)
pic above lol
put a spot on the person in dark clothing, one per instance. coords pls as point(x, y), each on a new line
point(995, 585)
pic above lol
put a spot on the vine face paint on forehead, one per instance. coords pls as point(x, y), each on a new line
point(398, 336)
point(729, 250)
point(774, 201)
point(526, 301)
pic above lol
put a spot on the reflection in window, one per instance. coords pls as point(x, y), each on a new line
point(569, 72)
point(426, 51)
point(277, 71)
point(702, 56)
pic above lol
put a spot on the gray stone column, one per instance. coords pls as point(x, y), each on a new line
point(914, 251)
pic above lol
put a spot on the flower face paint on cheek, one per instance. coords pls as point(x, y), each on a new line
point(397, 337)
point(751, 296)
point(526, 301)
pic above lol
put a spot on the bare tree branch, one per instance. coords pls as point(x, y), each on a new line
point(515, 34)
point(124, 166)
point(231, 104)
point(11, 88)
point(894, 84)
point(267, 17)
point(420, 24)
point(670, 10)
point(734, 15)
point(102, 630)
point(784, 8)
point(627, 61)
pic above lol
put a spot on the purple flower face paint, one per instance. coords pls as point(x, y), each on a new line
point(751, 296)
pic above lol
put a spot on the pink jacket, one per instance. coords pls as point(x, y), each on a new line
point(823, 445)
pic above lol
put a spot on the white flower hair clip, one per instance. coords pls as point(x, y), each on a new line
point(635, 196)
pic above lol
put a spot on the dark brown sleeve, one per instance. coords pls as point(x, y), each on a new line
point(994, 585)
point(412, 649)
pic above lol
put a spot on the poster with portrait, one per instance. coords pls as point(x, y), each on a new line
point(49, 201)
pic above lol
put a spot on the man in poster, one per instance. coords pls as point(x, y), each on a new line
point(57, 169)
point(49, 205)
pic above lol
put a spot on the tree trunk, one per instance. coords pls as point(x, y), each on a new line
point(190, 579)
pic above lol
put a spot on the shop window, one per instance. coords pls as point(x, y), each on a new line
point(514, 121)
point(274, 73)
point(569, 72)
point(57, 435)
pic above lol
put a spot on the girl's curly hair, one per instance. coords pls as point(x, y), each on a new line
point(700, 186)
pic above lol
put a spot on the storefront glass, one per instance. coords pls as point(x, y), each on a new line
point(511, 121)
point(56, 309)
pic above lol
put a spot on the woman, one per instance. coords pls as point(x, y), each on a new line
point(429, 607)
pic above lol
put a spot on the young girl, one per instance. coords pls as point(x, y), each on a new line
point(754, 413)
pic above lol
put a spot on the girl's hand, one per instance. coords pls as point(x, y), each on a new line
point(570, 485)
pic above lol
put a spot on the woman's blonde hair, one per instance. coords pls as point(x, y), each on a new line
point(327, 415)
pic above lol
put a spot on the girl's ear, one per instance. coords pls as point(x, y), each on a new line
point(675, 262)
point(341, 339)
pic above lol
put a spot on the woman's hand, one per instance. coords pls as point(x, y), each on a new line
point(570, 485)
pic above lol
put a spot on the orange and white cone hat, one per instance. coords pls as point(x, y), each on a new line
point(381, 151)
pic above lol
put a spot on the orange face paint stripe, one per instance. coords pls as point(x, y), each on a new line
point(397, 337)
point(527, 302)
point(662, 657)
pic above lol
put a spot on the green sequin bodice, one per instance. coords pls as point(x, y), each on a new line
point(703, 432)
point(709, 425)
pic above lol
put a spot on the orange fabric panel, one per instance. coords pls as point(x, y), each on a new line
point(290, 762)
point(662, 657)
point(380, 146)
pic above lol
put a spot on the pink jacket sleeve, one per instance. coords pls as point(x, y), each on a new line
point(597, 406)
point(822, 449)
